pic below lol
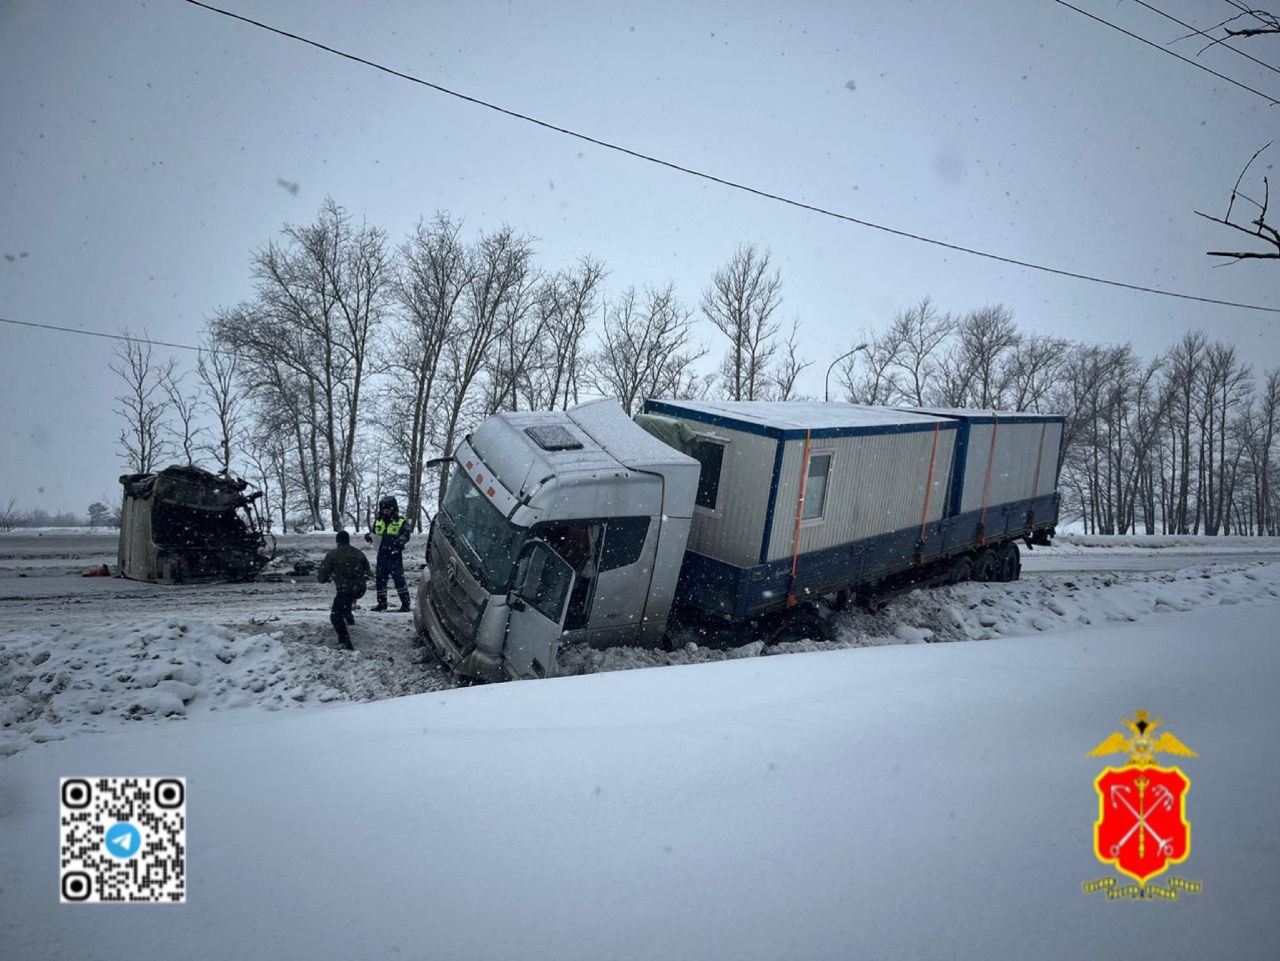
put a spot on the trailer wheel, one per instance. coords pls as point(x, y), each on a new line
point(872, 601)
point(1010, 562)
point(961, 571)
point(803, 623)
point(986, 568)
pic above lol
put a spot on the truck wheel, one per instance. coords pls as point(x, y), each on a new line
point(986, 568)
point(1010, 562)
point(871, 601)
point(802, 623)
point(961, 571)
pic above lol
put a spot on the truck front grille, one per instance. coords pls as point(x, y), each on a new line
point(457, 597)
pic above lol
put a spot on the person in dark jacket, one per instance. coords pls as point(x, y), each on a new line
point(348, 568)
point(392, 531)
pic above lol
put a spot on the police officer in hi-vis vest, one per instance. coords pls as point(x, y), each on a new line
point(392, 531)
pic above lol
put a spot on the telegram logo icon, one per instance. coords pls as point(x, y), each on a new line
point(122, 840)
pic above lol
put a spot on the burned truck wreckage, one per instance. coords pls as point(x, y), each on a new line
point(186, 524)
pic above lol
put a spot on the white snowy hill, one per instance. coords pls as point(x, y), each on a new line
point(915, 801)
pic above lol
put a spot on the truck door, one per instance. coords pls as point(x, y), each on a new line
point(539, 603)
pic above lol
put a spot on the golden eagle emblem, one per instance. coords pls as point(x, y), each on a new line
point(1141, 744)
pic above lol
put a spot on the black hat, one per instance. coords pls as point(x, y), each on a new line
point(343, 537)
point(388, 501)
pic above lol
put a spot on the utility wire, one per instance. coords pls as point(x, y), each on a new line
point(1154, 46)
point(1196, 31)
point(745, 188)
point(122, 337)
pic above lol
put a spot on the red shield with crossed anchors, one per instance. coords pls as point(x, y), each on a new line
point(1141, 826)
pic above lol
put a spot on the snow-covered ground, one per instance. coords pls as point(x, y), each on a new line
point(85, 655)
point(913, 801)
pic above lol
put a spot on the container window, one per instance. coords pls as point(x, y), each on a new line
point(623, 542)
point(710, 454)
point(815, 489)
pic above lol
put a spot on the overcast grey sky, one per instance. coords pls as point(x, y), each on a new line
point(149, 146)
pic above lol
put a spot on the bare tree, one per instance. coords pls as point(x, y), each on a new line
point(970, 371)
point(647, 349)
point(321, 295)
point(869, 375)
point(741, 301)
point(1262, 232)
point(10, 516)
point(1030, 371)
point(185, 407)
point(920, 333)
point(518, 349)
point(788, 368)
point(436, 271)
point(218, 372)
point(502, 261)
point(144, 406)
point(565, 302)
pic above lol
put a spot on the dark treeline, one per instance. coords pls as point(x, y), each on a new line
point(359, 358)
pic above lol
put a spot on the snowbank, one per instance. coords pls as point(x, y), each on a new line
point(276, 649)
point(1159, 542)
point(93, 679)
point(982, 612)
point(918, 801)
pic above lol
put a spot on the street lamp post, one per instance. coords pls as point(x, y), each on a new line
point(826, 388)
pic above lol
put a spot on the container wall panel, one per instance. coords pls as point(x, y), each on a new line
point(1048, 480)
point(733, 531)
point(1013, 474)
point(1021, 468)
point(876, 485)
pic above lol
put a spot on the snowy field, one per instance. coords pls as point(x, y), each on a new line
point(85, 655)
point(911, 801)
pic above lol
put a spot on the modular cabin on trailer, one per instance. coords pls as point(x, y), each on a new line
point(797, 500)
point(584, 525)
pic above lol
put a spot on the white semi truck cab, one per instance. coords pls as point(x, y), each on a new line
point(555, 526)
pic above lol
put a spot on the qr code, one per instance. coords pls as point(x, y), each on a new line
point(123, 839)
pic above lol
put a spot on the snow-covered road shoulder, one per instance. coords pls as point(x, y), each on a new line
point(897, 802)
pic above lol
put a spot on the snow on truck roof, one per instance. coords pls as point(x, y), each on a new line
point(592, 436)
point(789, 419)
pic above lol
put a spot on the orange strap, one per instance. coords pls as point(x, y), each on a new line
point(795, 548)
point(928, 491)
point(986, 485)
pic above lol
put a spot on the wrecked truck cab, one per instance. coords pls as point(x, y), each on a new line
point(187, 524)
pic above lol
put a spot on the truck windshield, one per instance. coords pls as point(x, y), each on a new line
point(476, 523)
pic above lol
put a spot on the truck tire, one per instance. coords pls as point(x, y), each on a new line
point(802, 623)
point(1010, 562)
point(985, 567)
point(961, 570)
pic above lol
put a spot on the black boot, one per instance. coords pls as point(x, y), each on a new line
point(382, 603)
point(404, 602)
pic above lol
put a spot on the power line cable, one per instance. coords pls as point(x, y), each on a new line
point(108, 336)
point(1154, 46)
point(745, 188)
point(1196, 31)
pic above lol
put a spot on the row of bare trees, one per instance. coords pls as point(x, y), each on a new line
point(358, 362)
point(1180, 444)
